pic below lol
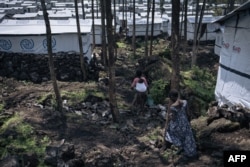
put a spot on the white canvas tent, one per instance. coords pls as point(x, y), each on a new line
point(25, 16)
point(207, 30)
point(98, 31)
point(141, 24)
point(233, 79)
point(29, 36)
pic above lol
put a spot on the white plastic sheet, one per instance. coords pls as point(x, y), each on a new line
point(233, 80)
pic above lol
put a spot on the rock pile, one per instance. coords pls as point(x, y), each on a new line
point(35, 68)
point(235, 113)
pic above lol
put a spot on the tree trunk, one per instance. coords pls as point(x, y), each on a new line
point(123, 15)
point(231, 5)
point(152, 28)
point(80, 43)
point(162, 2)
point(51, 64)
point(200, 24)
point(185, 20)
point(184, 25)
point(194, 56)
point(112, 97)
point(93, 24)
point(97, 12)
point(104, 44)
point(134, 28)
point(197, 34)
point(115, 25)
point(175, 76)
point(83, 11)
point(146, 35)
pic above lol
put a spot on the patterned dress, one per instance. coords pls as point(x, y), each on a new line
point(179, 130)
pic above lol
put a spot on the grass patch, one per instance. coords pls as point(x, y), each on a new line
point(72, 97)
point(19, 139)
point(76, 97)
point(44, 98)
point(155, 134)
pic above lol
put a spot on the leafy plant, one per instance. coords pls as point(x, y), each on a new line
point(202, 84)
point(166, 54)
point(157, 90)
point(121, 45)
point(155, 133)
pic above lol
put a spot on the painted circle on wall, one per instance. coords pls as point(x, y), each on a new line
point(53, 41)
point(5, 44)
point(27, 44)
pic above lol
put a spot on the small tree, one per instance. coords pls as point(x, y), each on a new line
point(93, 23)
point(51, 64)
point(175, 38)
point(80, 43)
point(134, 29)
point(83, 10)
point(112, 97)
point(104, 43)
point(197, 35)
point(146, 35)
point(152, 28)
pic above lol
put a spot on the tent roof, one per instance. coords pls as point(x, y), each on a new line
point(205, 19)
point(25, 15)
point(37, 27)
point(143, 21)
point(243, 7)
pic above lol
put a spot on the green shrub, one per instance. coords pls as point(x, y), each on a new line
point(158, 91)
point(121, 44)
point(202, 84)
point(166, 54)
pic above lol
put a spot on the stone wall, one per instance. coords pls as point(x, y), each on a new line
point(35, 68)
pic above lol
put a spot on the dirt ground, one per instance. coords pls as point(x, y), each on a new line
point(135, 142)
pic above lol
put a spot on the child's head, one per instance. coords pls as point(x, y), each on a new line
point(138, 73)
point(140, 80)
point(173, 95)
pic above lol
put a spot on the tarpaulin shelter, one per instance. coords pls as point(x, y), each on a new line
point(233, 79)
point(29, 36)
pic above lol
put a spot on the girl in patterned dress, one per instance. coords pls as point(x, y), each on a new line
point(178, 128)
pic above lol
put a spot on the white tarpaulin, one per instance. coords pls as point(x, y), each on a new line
point(233, 80)
point(207, 29)
point(141, 24)
point(29, 36)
